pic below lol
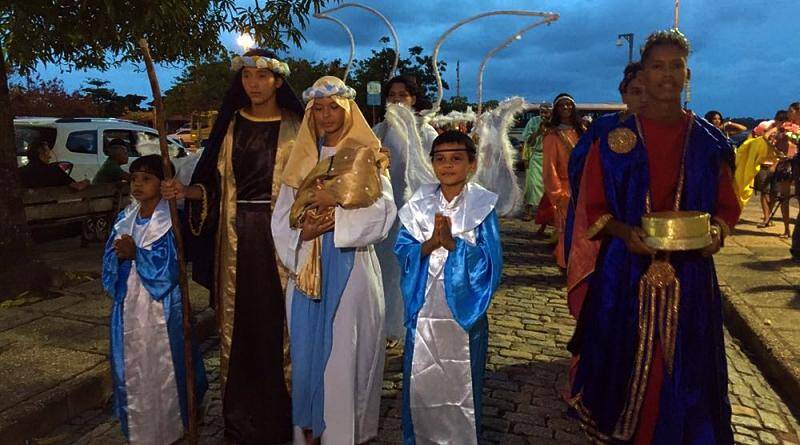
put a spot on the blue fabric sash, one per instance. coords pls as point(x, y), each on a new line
point(577, 160)
point(312, 336)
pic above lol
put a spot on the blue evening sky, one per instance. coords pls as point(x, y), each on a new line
point(745, 60)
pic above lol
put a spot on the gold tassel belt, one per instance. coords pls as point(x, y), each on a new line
point(658, 297)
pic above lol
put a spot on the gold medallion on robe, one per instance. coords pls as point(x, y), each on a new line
point(622, 140)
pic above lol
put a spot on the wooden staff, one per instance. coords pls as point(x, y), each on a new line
point(676, 13)
point(176, 230)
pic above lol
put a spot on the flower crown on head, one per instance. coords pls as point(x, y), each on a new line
point(328, 90)
point(274, 65)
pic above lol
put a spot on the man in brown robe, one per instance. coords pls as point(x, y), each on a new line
point(229, 206)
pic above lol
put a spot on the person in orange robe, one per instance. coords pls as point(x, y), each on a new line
point(565, 130)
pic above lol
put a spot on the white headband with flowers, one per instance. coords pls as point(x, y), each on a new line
point(274, 65)
point(328, 90)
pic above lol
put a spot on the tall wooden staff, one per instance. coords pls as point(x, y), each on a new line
point(176, 230)
point(676, 14)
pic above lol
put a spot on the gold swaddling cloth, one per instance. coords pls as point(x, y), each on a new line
point(353, 177)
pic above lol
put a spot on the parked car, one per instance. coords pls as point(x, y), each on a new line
point(201, 125)
point(184, 134)
point(79, 143)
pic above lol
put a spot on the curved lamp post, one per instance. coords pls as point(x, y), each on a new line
point(435, 56)
point(549, 18)
point(323, 14)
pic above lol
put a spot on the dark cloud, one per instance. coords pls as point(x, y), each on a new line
point(744, 51)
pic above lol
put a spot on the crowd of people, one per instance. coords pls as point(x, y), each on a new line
point(309, 188)
point(768, 163)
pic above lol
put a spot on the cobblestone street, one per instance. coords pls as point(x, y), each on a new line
point(523, 404)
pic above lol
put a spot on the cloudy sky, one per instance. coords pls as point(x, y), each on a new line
point(745, 60)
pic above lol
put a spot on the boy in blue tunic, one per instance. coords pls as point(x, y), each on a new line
point(140, 272)
point(451, 261)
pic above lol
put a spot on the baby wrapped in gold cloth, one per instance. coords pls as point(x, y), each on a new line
point(351, 175)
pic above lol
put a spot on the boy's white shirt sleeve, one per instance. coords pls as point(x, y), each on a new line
point(368, 225)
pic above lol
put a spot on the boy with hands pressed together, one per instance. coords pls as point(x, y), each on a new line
point(451, 261)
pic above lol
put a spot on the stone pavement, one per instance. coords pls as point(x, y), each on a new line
point(529, 328)
point(761, 285)
point(54, 346)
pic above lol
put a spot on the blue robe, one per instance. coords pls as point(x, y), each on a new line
point(577, 159)
point(471, 275)
point(157, 267)
point(694, 406)
point(312, 336)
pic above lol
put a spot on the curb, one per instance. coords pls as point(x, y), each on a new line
point(91, 389)
point(765, 348)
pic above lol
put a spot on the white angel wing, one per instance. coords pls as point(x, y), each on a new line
point(496, 156)
point(410, 166)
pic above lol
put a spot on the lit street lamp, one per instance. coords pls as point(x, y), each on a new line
point(245, 41)
point(621, 41)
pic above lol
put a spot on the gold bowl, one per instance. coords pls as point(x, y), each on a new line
point(681, 230)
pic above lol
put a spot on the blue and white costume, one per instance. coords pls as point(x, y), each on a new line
point(146, 331)
point(446, 296)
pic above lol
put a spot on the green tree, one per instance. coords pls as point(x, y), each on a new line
point(107, 101)
point(306, 72)
point(455, 103)
point(377, 67)
point(101, 34)
point(37, 97)
point(200, 87)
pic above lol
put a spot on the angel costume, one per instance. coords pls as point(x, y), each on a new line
point(446, 296)
point(146, 341)
point(337, 337)
point(496, 156)
point(407, 136)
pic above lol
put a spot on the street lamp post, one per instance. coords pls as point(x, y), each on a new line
point(245, 40)
point(629, 38)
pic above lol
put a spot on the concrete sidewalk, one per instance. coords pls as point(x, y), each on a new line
point(54, 347)
point(761, 286)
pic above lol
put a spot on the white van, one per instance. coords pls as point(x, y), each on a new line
point(79, 143)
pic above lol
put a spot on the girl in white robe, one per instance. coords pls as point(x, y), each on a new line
point(337, 337)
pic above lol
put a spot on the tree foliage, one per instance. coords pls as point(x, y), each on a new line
point(83, 34)
point(102, 33)
point(107, 101)
point(306, 72)
point(377, 67)
point(37, 97)
point(200, 87)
